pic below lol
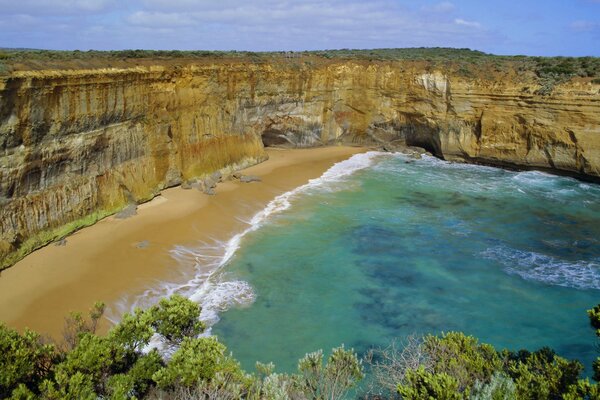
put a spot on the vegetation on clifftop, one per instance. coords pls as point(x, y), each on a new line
point(121, 366)
point(548, 70)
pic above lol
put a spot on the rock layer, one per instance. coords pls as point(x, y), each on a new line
point(77, 145)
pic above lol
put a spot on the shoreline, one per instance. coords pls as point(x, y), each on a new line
point(121, 258)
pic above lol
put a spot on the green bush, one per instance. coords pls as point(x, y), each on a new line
point(176, 318)
point(463, 358)
point(541, 374)
point(423, 385)
point(451, 366)
point(24, 360)
point(198, 359)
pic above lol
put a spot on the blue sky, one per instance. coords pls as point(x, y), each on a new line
point(550, 27)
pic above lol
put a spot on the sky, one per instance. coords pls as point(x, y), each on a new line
point(543, 27)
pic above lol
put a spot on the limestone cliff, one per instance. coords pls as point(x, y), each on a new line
point(77, 145)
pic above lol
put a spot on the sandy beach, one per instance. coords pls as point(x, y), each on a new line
point(116, 258)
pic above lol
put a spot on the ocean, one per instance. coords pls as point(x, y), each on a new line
point(383, 246)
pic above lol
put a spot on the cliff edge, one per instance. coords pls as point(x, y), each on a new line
point(77, 144)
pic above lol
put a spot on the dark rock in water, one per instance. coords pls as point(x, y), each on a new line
point(250, 267)
point(582, 244)
point(390, 273)
point(210, 191)
point(127, 212)
point(143, 244)
point(249, 178)
point(61, 242)
point(371, 239)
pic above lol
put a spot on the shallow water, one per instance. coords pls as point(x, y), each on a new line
point(405, 247)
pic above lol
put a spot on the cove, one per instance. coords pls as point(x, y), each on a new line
point(420, 246)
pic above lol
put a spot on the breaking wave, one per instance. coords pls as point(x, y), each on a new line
point(539, 267)
point(207, 283)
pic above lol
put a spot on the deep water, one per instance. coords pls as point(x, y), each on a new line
point(413, 247)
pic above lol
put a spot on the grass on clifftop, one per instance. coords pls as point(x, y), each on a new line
point(548, 70)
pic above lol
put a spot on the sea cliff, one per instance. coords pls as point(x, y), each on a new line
point(77, 144)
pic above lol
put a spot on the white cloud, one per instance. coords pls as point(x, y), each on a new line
point(470, 24)
point(242, 24)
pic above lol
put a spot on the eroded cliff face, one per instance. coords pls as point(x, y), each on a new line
point(78, 145)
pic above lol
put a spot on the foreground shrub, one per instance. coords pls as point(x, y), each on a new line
point(420, 384)
point(24, 360)
point(117, 366)
point(120, 365)
point(463, 358)
point(456, 366)
point(500, 387)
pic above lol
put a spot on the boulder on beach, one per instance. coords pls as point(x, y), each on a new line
point(216, 177)
point(127, 212)
point(236, 175)
point(143, 244)
point(249, 178)
point(209, 184)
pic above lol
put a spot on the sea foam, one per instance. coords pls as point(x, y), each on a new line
point(547, 269)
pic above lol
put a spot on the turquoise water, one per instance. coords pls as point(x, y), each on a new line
point(426, 246)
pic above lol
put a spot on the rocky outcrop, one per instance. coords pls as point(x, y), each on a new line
point(76, 145)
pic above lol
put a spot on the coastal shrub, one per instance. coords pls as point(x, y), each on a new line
point(76, 324)
point(541, 374)
point(594, 318)
point(389, 365)
point(24, 360)
point(176, 318)
point(421, 385)
point(119, 365)
point(342, 371)
point(456, 366)
point(462, 357)
point(198, 359)
point(500, 387)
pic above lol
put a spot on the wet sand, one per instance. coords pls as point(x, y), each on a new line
point(116, 258)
